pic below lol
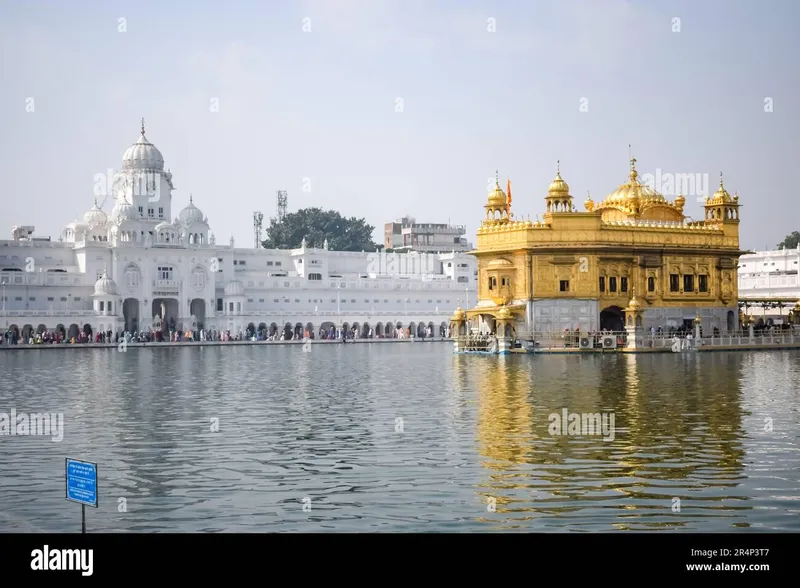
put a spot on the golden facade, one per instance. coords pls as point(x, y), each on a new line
point(584, 269)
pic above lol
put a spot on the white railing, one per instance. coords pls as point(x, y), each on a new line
point(586, 341)
point(167, 284)
point(64, 313)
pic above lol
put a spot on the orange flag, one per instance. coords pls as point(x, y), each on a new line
point(508, 191)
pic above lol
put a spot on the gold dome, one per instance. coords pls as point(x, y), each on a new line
point(633, 191)
point(459, 314)
point(721, 196)
point(504, 314)
point(633, 303)
point(680, 201)
point(497, 198)
point(558, 187)
point(589, 204)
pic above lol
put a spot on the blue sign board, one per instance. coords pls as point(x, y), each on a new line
point(82, 482)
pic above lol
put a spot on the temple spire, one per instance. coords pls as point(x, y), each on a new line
point(720, 179)
point(142, 126)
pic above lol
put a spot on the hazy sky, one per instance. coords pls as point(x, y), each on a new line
point(393, 107)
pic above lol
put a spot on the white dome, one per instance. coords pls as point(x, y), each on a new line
point(123, 210)
point(164, 225)
point(95, 216)
point(105, 286)
point(234, 288)
point(143, 155)
point(191, 214)
point(77, 225)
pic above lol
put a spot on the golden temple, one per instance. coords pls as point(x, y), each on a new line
point(632, 255)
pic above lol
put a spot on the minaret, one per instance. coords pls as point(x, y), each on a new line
point(497, 205)
point(558, 197)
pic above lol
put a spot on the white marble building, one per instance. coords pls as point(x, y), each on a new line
point(133, 267)
point(770, 275)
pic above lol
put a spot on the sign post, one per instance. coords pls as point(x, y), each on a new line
point(81, 485)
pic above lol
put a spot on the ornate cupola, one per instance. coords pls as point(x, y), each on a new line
point(589, 204)
point(558, 197)
point(497, 207)
point(721, 207)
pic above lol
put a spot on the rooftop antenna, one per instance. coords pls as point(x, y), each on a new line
point(258, 219)
point(282, 199)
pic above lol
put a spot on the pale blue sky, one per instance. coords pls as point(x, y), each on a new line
point(322, 104)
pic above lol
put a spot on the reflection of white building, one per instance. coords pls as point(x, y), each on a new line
point(134, 268)
point(770, 275)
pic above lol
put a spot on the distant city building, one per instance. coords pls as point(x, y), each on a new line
point(770, 275)
point(406, 234)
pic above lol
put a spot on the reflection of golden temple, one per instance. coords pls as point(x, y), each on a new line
point(579, 269)
point(673, 428)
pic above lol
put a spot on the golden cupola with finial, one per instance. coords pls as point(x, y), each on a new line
point(497, 206)
point(589, 204)
point(558, 196)
point(722, 207)
point(635, 200)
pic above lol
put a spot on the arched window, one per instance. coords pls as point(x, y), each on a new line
point(132, 276)
point(651, 284)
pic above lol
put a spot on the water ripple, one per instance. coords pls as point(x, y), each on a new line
point(403, 438)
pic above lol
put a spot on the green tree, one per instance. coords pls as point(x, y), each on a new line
point(317, 225)
point(791, 241)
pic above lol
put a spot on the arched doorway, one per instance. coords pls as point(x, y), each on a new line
point(379, 330)
point(251, 330)
point(287, 331)
point(74, 330)
point(612, 319)
point(130, 313)
point(167, 309)
point(273, 329)
point(310, 330)
point(262, 330)
point(731, 323)
point(197, 309)
point(87, 329)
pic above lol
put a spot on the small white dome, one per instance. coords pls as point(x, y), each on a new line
point(191, 214)
point(77, 225)
point(123, 210)
point(234, 288)
point(105, 286)
point(164, 225)
point(143, 155)
point(95, 217)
